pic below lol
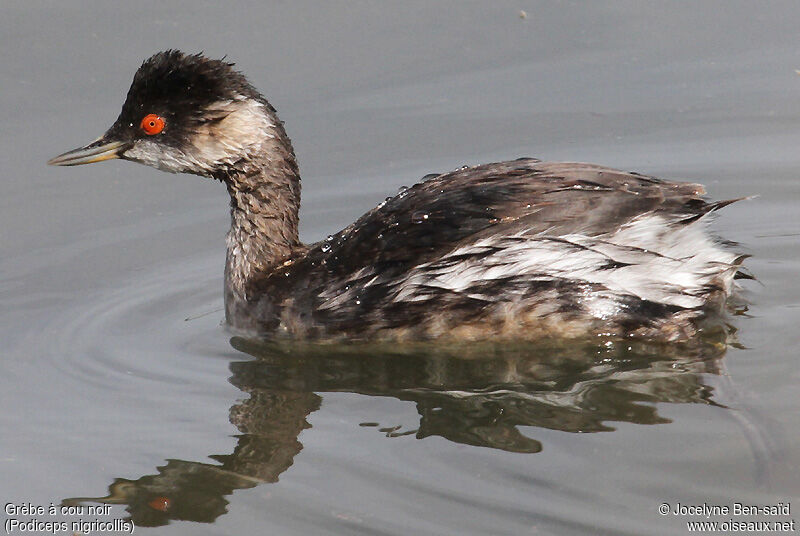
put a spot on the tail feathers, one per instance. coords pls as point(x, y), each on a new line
point(744, 273)
point(741, 271)
point(708, 208)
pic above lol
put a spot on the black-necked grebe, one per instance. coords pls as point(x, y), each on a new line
point(518, 249)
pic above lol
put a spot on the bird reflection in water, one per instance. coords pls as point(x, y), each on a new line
point(473, 394)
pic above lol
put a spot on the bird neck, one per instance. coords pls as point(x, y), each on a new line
point(265, 201)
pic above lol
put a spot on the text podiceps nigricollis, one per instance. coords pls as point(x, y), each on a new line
point(519, 249)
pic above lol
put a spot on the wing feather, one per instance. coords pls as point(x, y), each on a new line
point(348, 280)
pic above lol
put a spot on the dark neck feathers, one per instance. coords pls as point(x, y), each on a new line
point(265, 200)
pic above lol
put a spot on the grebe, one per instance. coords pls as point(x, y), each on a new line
point(522, 249)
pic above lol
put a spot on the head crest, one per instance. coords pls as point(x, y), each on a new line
point(174, 82)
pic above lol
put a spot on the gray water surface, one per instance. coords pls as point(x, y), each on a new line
point(118, 382)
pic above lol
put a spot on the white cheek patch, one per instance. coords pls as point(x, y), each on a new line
point(244, 129)
point(163, 157)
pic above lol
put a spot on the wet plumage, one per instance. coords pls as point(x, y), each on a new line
point(519, 249)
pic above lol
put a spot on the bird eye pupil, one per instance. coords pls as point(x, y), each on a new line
point(152, 124)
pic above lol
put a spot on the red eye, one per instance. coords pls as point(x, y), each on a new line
point(160, 503)
point(152, 124)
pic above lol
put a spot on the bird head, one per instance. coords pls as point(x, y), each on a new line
point(185, 113)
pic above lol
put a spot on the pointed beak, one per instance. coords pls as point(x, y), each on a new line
point(97, 151)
